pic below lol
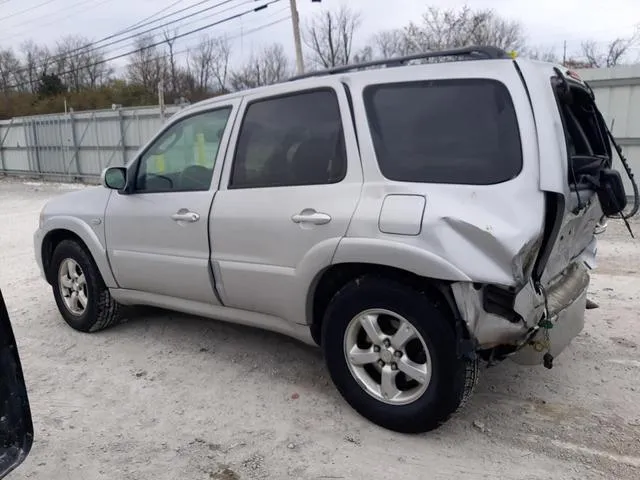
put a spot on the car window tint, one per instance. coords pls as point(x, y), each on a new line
point(290, 140)
point(183, 157)
point(445, 131)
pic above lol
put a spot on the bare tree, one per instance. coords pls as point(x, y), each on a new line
point(148, 65)
point(79, 65)
point(200, 60)
point(391, 43)
point(453, 28)
point(365, 54)
point(96, 70)
point(329, 36)
point(9, 70)
point(545, 55)
point(613, 54)
point(36, 60)
point(170, 40)
point(186, 84)
point(270, 66)
point(220, 64)
point(209, 63)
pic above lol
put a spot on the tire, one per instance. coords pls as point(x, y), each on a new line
point(101, 310)
point(415, 410)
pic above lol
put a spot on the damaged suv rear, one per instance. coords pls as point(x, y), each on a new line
point(534, 315)
point(492, 178)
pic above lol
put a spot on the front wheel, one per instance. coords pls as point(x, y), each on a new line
point(391, 352)
point(80, 293)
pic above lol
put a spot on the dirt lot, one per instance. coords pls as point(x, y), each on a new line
point(169, 396)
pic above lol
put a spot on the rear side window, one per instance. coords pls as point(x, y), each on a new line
point(445, 131)
point(291, 140)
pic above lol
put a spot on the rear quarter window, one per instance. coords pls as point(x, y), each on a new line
point(445, 131)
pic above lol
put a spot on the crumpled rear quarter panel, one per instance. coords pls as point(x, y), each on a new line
point(488, 232)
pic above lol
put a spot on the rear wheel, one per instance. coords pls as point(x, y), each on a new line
point(391, 353)
point(82, 297)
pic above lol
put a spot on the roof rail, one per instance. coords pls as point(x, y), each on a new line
point(479, 52)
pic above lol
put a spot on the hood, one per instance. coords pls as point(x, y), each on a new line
point(86, 203)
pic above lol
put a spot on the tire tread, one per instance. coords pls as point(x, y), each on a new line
point(456, 382)
point(107, 310)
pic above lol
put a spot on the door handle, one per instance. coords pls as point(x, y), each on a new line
point(311, 216)
point(185, 216)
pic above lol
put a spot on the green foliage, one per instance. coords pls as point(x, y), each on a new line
point(50, 98)
point(50, 85)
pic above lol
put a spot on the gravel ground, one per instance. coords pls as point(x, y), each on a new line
point(166, 396)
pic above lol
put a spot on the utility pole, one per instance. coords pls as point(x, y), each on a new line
point(295, 22)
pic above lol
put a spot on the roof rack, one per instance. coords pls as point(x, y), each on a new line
point(479, 52)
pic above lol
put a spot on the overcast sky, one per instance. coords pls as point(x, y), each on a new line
point(547, 22)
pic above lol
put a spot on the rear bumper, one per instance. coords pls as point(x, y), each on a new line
point(566, 298)
point(568, 322)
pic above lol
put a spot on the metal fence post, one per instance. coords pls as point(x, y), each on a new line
point(123, 134)
point(76, 150)
point(61, 147)
point(94, 119)
point(36, 152)
point(4, 137)
point(138, 128)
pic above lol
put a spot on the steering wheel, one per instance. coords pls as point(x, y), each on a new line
point(163, 177)
point(196, 176)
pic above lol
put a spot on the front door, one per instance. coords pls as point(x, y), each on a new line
point(287, 195)
point(157, 235)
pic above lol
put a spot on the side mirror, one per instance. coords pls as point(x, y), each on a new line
point(16, 427)
point(114, 178)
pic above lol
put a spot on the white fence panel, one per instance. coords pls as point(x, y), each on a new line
point(76, 145)
point(617, 92)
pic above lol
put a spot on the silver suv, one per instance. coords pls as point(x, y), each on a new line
point(410, 219)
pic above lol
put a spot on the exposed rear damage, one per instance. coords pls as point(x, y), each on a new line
point(533, 319)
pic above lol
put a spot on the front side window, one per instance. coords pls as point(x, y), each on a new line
point(183, 157)
point(290, 140)
point(445, 131)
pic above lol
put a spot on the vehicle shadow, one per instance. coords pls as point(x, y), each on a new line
point(254, 350)
point(247, 348)
point(526, 407)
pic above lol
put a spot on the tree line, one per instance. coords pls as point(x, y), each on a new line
point(40, 79)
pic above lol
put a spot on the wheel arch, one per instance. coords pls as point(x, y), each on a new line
point(332, 279)
point(85, 237)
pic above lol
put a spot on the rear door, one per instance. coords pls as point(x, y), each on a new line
point(290, 187)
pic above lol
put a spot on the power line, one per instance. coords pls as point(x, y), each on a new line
point(162, 10)
point(173, 38)
point(17, 35)
point(83, 50)
point(275, 13)
point(139, 34)
point(144, 22)
point(240, 34)
point(26, 10)
point(233, 37)
point(155, 44)
point(92, 45)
